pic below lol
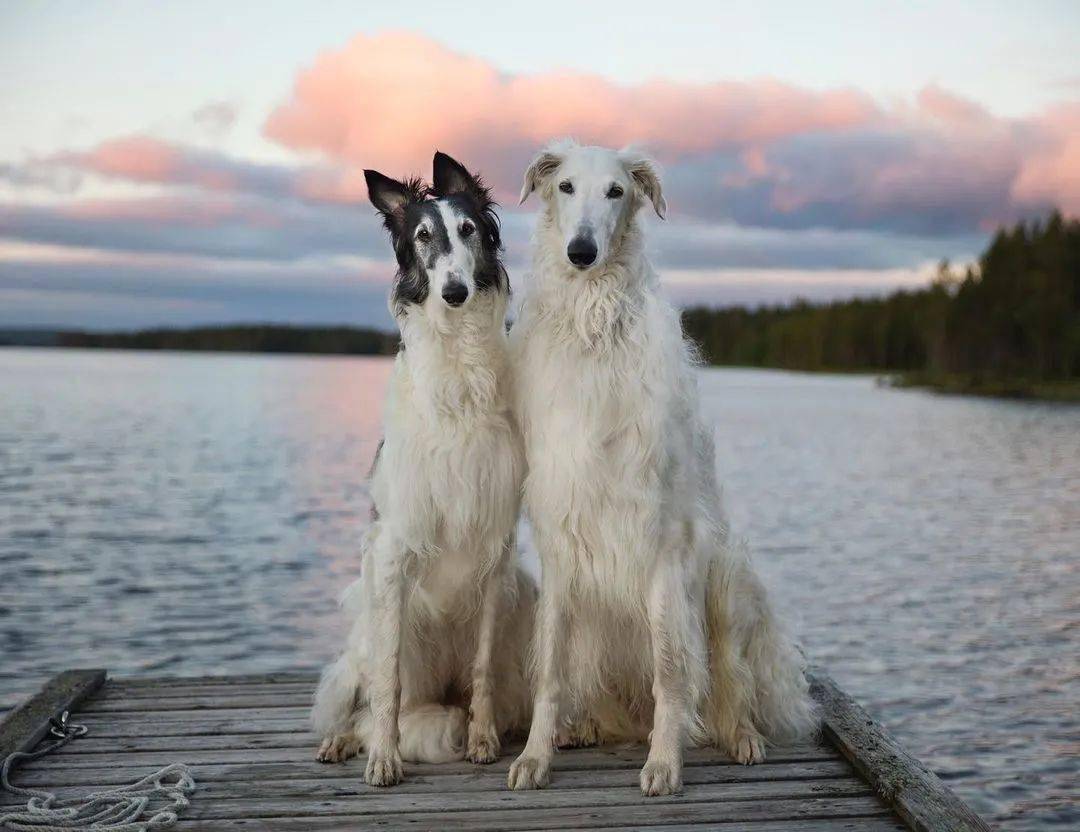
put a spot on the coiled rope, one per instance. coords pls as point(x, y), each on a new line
point(114, 810)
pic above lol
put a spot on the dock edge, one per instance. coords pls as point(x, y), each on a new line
point(918, 795)
point(26, 725)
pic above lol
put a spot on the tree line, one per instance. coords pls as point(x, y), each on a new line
point(1014, 315)
point(339, 340)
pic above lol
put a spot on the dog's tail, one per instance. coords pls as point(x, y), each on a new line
point(756, 671)
point(426, 733)
point(337, 698)
point(432, 733)
point(340, 694)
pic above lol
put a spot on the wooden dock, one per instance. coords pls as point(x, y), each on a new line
point(251, 751)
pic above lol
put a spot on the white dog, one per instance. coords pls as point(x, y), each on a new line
point(442, 614)
point(651, 623)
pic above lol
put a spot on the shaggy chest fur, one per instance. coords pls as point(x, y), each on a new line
point(606, 407)
point(447, 482)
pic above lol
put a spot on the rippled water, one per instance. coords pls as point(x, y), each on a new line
point(176, 514)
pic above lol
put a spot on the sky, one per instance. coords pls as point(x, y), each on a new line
point(196, 163)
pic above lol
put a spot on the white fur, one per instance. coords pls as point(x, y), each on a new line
point(652, 623)
point(442, 614)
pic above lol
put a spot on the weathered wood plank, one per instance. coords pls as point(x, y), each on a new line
point(336, 781)
point(322, 799)
point(599, 757)
point(96, 744)
point(118, 703)
point(852, 824)
point(162, 758)
point(739, 796)
point(211, 736)
point(353, 769)
point(284, 689)
point(299, 677)
point(221, 710)
point(647, 813)
point(918, 795)
point(24, 726)
point(107, 725)
point(168, 734)
point(872, 824)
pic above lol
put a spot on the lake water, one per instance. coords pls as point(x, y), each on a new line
point(179, 514)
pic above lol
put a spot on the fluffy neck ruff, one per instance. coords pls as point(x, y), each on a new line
point(595, 308)
point(455, 361)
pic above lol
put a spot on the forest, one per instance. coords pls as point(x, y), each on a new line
point(341, 340)
point(1009, 324)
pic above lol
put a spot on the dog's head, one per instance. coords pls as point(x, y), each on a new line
point(446, 237)
point(592, 194)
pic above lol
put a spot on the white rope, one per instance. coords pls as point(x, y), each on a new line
point(113, 810)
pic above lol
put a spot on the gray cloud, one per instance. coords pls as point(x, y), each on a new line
point(216, 117)
point(143, 296)
point(211, 226)
point(903, 183)
point(703, 245)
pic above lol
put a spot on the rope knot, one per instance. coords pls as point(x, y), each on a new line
point(113, 810)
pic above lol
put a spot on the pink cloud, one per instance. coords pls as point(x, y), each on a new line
point(1052, 173)
point(758, 153)
point(134, 157)
point(150, 160)
point(326, 185)
point(388, 100)
point(945, 106)
point(154, 161)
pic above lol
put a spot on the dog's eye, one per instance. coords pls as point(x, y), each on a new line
point(566, 186)
point(614, 192)
point(423, 235)
point(467, 229)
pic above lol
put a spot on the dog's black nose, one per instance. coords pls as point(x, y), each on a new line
point(581, 251)
point(455, 293)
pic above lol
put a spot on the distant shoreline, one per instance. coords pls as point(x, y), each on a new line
point(256, 339)
point(996, 388)
point(245, 338)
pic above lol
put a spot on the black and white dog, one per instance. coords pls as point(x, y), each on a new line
point(442, 614)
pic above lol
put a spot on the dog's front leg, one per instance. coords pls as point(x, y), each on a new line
point(483, 733)
point(532, 769)
point(384, 759)
point(671, 627)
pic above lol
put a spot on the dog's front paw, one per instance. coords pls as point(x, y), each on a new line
point(749, 749)
point(659, 777)
point(529, 773)
point(483, 743)
point(383, 769)
point(338, 748)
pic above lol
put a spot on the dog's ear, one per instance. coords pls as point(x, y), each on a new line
point(545, 164)
point(389, 197)
point(646, 179)
point(449, 176)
